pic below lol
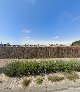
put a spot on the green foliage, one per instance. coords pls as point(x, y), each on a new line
point(72, 76)
point(37, 68)
point(76, 43)
point(39, 80)
point(55, 78)
point(1, 69)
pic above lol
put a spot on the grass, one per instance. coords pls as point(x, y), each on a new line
point(72, 76)
point(26, 82)
point(55, 78)
point(39, 80)
point(27, 68)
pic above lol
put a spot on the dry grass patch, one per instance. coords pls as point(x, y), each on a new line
point(55, 78)
point(26, 82)
point(72, 76)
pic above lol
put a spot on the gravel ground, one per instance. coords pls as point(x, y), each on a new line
point(57, 87)
point(8, 84)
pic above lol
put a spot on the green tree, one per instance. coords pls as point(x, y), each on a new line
point(76, 43)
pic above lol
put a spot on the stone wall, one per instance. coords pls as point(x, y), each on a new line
point(39, 52)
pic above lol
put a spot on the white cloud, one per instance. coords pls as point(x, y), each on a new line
point(27, 37)
point(69, 16)
point(76, 18)
point(31, 1)
point(26, 31)
point(56, 37)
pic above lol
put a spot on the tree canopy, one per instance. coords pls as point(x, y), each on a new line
point(76, 43)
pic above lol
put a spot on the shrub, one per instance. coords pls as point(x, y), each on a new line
point(39, 80)
point(72, 76)
point(55, 78)
point(1, 69)
point(36, 68)
point(26, 82)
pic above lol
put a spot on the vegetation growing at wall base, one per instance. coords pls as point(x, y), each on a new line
point(37, 68)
